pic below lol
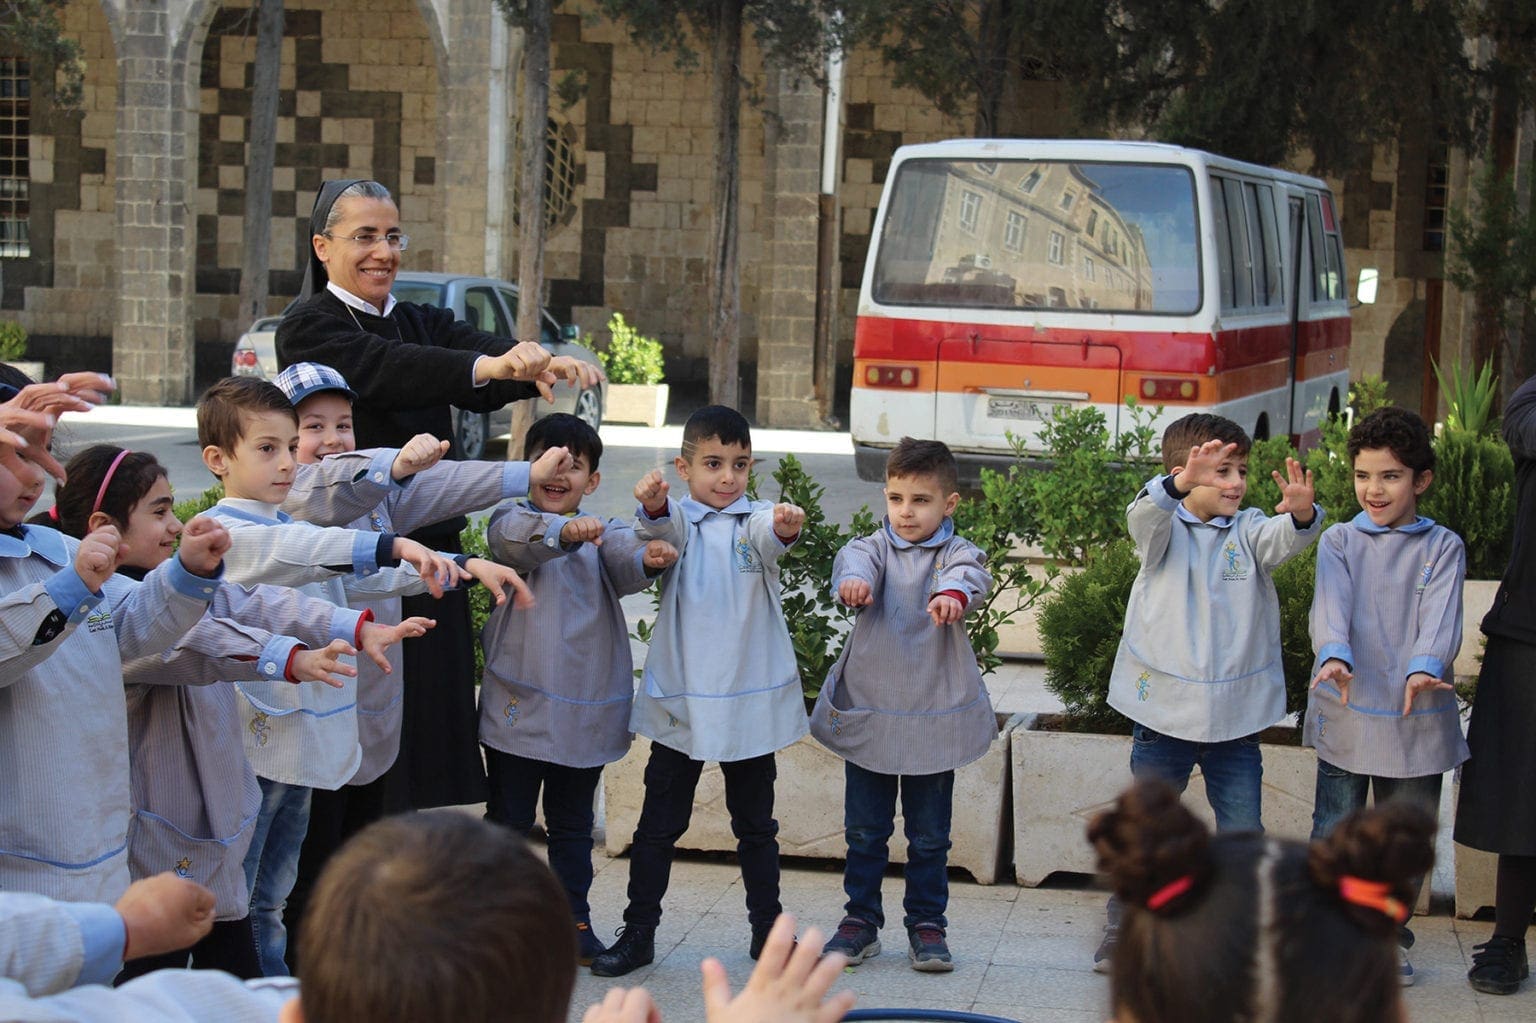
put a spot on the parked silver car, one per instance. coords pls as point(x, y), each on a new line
point(482, 302)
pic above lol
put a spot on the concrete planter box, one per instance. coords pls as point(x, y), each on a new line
point(645, 404)
point(1476, 598)
point(809, 806)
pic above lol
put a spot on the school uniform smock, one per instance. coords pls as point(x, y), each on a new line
point(1388, 604)
point(559, 681)
point(720, 682)
point(906, 696)
point(1200, 655)
point(63, 725)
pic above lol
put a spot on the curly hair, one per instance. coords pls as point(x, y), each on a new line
point(1397, 430)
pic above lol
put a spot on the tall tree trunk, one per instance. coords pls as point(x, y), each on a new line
point(996, 18)
point(256, 261)
point(533, 121)
point(724, 268)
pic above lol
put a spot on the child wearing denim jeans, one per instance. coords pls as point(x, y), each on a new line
point(904, 705)
point(1386, 627)
point(1198, 671)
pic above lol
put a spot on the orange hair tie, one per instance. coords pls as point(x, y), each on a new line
point(1375, 895)
point(1170, 891)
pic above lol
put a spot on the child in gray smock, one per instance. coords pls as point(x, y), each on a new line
point(558, 682)
point(1386, 627)
point(905, 705)
point(721, 680)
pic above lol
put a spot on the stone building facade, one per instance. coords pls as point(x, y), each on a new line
point(135, 206)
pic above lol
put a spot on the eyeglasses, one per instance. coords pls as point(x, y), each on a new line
point(368, 240)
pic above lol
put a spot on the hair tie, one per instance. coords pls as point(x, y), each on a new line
point(107, 479)
point(1170, 891)
point(1375, 895)
point(53, 513)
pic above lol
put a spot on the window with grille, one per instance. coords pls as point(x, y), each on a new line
point(15, 127)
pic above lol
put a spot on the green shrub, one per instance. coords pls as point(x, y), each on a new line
point(1294, 583)
point(1080, 624)
point(473, 543)
point(194, 506)
point(13, 341)
point(629, 357)
point(1474, 495)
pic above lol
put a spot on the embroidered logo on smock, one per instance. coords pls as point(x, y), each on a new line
point(671, 721)
point(1424, 574)
point(746, 558)
point(509, 713)
point(184, 868)
point(377, 522)
point(836, 721)
point(1322, 724)
point(98, 621)
point(261, 728)
point(1144, 685)
point(1234, 567)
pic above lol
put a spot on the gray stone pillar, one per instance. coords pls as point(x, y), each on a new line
point(786, 305)
point(152, 340)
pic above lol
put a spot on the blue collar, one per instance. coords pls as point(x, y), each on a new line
point(259, 512)
point(1219, 521)
point(695, 511)
point(46, 543)
point(939, 538)
point(1362, 521)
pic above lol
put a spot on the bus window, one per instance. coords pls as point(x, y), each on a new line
point(1335, 269)
point(1315, 239)
point(1242, 252)
point(1223, 243)
point(1263, 199)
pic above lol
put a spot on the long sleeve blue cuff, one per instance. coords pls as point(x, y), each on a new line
point(274, 657)
point(344, 623)
point(70, 593)
point(195, 586)
point(516, 478)
point(103, 935)
point(1434, 667)
point(1337, 651)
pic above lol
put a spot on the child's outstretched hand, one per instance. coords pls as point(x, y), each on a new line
point(96, 557)
point(422, 451)
point(437, 570)
point(788, 985)
point(497, 578)
point(945, 610)
point(204, 542)
point(552, 462)
point(659, 554)
point(1421, 682)
point(323, 665)
point(376, 639)
point(651, 492)
point(163, 913)
point(583, 529)
point(787, 519)
point(1335, 671)
point(624, 1005)
point(1200, 468)
point(1296, 493)
point(855, 593)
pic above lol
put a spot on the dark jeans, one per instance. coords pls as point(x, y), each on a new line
point(1233, 771)
point(228, 947)
point(869, 819)
point(670, 780)
point(568, 793)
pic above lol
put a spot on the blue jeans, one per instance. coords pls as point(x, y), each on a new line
point(869, 819)
point(1233, 771)
point(272, 865)
point(1339, 793)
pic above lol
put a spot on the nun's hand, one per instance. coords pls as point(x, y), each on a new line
point(526, 360)
point(580, 372)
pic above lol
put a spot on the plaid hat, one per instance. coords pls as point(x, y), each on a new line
point(302, 379)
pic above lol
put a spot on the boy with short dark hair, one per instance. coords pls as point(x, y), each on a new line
point(720, 682)
point(558, 683)
point(905, 704)
point(1386, 626)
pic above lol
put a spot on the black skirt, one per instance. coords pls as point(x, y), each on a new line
point(1496, 811)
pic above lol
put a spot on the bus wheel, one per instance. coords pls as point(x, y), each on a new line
point(1261, 428)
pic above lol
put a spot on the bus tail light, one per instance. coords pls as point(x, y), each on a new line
point(891, 376)
point(1169, 389)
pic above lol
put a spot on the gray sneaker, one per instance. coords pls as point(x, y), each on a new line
point(1101, 956)
point(855, 938)
point(929, 951)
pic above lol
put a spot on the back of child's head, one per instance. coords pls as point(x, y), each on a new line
point(1242, 926)
point(911, 458)
point(563, 430)
point(223, 410)
point(1397, 430)
point(716, 422)
point(1197, 428)
point(437, 916)
point(128, 475)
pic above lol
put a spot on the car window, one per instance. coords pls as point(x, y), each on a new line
point(483, 312)
point(548, 328)
point(419, 292)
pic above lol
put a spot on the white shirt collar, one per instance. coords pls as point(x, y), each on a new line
point(359, 304)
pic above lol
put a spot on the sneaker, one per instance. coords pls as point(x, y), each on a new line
point(1404, 968)
point(635, 948)
point(588, 945)
point(1498, 965)
point(929, 952)
point(1106, 948)
point(857, 939)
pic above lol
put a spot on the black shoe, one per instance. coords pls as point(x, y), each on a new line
point(635, 948)
point(760, 938)
point(856, 939)
point(1499, 965)
point(929, 952)
point(588, 945)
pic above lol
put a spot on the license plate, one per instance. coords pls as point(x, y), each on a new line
point(1032, 409)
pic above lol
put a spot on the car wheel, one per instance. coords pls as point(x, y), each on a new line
point(470, 430)
point(589, 409)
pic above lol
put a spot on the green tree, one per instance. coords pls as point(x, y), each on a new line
point(31, 28)
point(793, 35)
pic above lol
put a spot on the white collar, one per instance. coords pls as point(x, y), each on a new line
point(359, 304)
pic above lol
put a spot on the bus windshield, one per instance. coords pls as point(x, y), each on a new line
point(1031, 234)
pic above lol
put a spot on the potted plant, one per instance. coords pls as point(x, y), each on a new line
point(633, 363)
point(13, 349)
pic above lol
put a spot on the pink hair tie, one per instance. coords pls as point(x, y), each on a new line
point(1170, 891)
point(107, 479)
point(53, 513)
